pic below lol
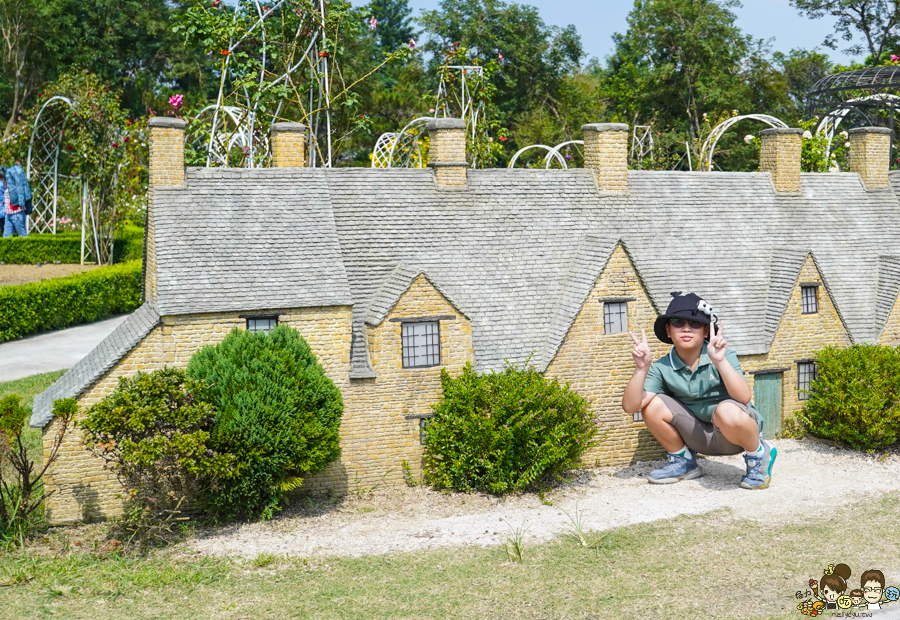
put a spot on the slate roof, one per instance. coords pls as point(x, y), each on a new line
point(517, 251)
point(95, 364)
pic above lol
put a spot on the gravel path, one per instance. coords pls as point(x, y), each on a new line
point(809, 476)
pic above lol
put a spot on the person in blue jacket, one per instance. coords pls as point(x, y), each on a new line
point(16, 200)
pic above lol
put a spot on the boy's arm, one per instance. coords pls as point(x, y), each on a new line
point(635, 398)
point(734, 382)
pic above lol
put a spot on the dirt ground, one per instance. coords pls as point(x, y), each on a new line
point(23, 274)
point(809, 477)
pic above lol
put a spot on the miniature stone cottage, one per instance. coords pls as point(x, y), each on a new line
point(393, 274)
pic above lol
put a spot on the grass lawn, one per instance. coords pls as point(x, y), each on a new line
point(29, 387)
point(710, 566)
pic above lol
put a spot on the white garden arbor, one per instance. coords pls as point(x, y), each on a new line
point(708, 148)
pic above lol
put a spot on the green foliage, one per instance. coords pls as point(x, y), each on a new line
point(65, 247)
point(21, 469)
point(277, 413)
point(504, 432)
point(63, 302)
point(856, 397)
point(874, 23)
point(154, 432)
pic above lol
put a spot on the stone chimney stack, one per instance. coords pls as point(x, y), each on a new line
point(870, 155)
point(288, 145)
point(447, 151)
point(779, 154)
point(166, 170)
point(606, 153)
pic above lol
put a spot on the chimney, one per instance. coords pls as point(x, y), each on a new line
point(779, 154)
point(166, 170)
point(447, 151)
point(606, 153)
point(288, 145)
point(870, 155)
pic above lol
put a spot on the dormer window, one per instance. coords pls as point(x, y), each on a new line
point(264, 323)
point(421, 343)
point(809, 298)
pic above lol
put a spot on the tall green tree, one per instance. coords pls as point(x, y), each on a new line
point(872, 25)
point(394, 26)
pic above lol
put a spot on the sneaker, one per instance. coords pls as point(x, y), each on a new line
point(759, 468)
point(677, 468)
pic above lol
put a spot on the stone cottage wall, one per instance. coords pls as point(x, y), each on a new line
point(599, 365)
point(382, 416)
point(798, 337)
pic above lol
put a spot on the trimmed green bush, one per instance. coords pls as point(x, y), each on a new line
point(856, 397)
point(65, 247)
point(277, 412)
point(154, 432)
point(63, 302)
point(504, 432)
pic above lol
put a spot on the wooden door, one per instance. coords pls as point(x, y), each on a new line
point(767, 400)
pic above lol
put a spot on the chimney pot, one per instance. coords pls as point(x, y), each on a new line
point(447, 151)
point(779, 154)
point(288, 145)
point(870, 155)
point(606, 153)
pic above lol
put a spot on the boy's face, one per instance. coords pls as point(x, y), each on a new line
point(872, 591)
point(686, 337)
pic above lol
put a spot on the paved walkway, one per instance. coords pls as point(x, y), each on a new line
point(52, 350)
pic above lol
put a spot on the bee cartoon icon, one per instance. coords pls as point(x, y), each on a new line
point(833, 585)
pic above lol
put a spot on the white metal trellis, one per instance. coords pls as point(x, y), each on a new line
point(553, 153)
point(828, 125)
point(641, 143)
point(469, 110)
point(234, 127)
point(381, 154)
point(708, 149)
point(42, 167)
point(401, 149)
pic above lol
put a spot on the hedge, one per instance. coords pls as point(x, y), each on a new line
point(63, 302)
point(66, 247)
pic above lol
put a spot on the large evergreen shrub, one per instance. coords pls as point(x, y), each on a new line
point(154, 432)
point(277, 413)
point(503, 432)
point(856, 397)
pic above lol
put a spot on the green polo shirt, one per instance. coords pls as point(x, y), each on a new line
point(701, 390)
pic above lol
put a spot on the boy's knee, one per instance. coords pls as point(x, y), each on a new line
point(729, 414)
point(657, 408)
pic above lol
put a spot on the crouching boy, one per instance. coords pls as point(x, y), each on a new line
point(695, 399)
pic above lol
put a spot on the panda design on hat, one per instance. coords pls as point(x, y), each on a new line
point(691, 307)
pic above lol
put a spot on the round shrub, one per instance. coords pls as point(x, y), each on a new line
point(503, 432)
point(854, 399)
point(154, 432)
point(277, 413)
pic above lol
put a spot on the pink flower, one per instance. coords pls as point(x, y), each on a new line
point(412, 44)
point(894, 58)
point(500, 56)
point(503, 138)
point(373, 23)
point(216, 3)
point(176, 100)
point(115, 145)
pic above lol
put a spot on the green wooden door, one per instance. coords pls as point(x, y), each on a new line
point(767, 400)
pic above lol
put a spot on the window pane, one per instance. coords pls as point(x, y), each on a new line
point(615, 317)
point(261, 324)
point(809, 303)
point(806, 374)
point(421, 344)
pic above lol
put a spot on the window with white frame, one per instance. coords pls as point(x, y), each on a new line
point(809, 299)
point(261, 323)
point(615, 317)
point(421, 344)
point(806, 374)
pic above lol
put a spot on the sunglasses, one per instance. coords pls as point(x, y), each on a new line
point(679, 323)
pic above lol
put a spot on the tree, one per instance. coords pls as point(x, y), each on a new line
point(876, 21)
point(394, 29)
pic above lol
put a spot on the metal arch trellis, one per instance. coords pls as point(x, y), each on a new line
point(708, 148)
point(470, 111)
point(641, 144)
point(401, 149)
point(42, 167)
point(381, 154)
point(238, 127)
point(552, 153)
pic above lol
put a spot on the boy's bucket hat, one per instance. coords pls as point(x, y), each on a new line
point(689, 307)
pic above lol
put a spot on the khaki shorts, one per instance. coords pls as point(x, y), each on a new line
point(700, 436)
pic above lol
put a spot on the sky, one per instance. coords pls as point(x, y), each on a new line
point(597, 20)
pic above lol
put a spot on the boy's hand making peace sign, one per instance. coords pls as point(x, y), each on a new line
point(717, 344)
point(641, 351)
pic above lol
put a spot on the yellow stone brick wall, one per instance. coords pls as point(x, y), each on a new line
point(890, 335)
point(380, 429)
point(599, 365)
point(289, 146)
point(166, 169)
point(870, 155)
point(448, 146)
point(606, 152)
point(83, 488)
point(780, 155)
point(798, 337)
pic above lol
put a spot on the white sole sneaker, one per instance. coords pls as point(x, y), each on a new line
point(691, 475)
